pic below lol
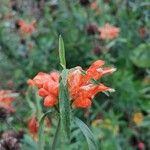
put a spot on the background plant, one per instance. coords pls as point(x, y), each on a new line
point(23, 57)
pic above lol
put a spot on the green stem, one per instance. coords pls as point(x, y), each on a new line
point(38, 110)
point(56, 136)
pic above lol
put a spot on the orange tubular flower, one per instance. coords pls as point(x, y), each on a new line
point(33, 126)
point(6, 99)
point(48, 85)
point(50, 101)
point(82, 102)
point(108, 32)
point(26, 28)
point(80, 86)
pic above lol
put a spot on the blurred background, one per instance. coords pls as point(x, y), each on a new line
point(29, 32)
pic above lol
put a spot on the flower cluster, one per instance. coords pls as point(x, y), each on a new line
point(6, 99)
point(48, 85)
point(25, 27)
point(81, 87)
point(108, 31)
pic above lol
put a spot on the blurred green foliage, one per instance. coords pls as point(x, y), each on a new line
point(22, 57)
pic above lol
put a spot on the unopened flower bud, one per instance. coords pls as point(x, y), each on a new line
point(92, 29)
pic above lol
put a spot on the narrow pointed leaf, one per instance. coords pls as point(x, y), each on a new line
point(64, 105)
point(92, 144)
point(62, 52)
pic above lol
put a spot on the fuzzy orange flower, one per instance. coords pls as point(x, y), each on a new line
point(6, 99)
point(81, 88)
point(48, 85)
point(108, 31)
point(26, 28)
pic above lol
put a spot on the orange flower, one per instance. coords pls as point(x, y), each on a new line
point(108, 32)
point(80, 86)
point(33, 126)
point(6, 99)
point(25, 27)
point(48, 85)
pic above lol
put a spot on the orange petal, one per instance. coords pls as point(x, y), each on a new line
point(82, 103)
point(75, 80)
point(30, 82)
point(104, 71)
point(42, 92)
point(55, 76)
point(103, 88)
point(52, 87)
point(50, 101)
point(89, 90)
point(33, 125)
point(92, 71)
point(40, 79)
point(97, 64)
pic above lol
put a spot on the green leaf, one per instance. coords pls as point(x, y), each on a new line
point(141, 56)
point(62, 53)
point(65, 75)
point(92, 144)
point(41, 131)
point(64, 105)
